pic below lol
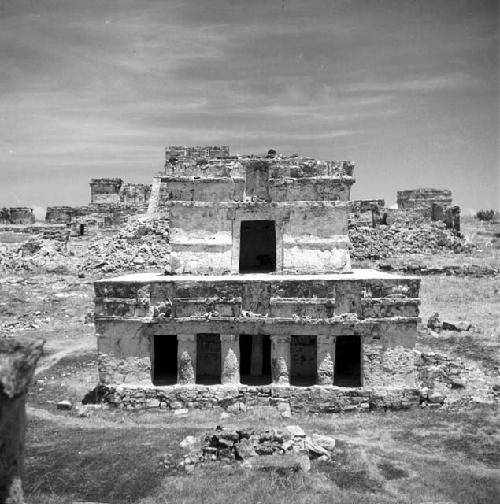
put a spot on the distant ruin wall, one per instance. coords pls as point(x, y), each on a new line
point(196, 151)
point(17, 215)
point(100, 215)
point(105, 190)
point(423, 198)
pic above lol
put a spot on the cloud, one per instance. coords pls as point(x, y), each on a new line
point(89, 87)
point(426, 84)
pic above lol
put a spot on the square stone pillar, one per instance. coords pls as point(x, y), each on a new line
point(186, 359)
point(257, 354)
point(325, 352)
point(280, 359)
point(230, 361)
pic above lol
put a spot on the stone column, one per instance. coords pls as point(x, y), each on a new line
point(186, 359)
point(230, 361)
point(325, 359)
point(18, 358)
point(257, 355)
point(280, 359)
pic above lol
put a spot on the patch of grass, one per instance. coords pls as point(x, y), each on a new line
point(106, 465)
point(391, 472)
point(474, 433)
point(237, 485)
point(473, 299)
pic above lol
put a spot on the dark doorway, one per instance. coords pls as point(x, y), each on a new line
point(164, 359)
point(348, 361)
point(255, 359)
point(303, 362)
point(82, 229)
point(257, 246)
point(208, 359)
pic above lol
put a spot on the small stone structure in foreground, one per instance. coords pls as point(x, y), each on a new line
point(18, 358)
point(259, 304)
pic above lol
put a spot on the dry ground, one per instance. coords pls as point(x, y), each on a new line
point(113, 456)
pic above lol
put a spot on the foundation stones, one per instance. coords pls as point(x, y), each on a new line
point(272, 449)
point(18, 358)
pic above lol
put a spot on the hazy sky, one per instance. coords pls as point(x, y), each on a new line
point(407, 89)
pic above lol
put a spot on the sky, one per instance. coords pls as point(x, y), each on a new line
point(406, 89)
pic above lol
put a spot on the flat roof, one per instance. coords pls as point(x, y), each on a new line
point(355, 274)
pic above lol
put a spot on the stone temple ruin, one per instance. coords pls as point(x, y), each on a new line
point(259, 305)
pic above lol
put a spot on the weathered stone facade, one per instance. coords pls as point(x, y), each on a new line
point(259, 298)
point(429, 204)
point(418, 198)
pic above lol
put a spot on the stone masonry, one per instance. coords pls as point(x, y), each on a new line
point(259, 304)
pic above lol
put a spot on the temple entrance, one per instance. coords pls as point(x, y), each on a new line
point(257, 246)
point(255, 359)
point(164, 359)
point(348, 361)
point(208, 359)
point(303, 360)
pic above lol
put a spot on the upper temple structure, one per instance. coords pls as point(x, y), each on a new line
point(259, 304)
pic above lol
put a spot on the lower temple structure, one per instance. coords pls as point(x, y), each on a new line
point(167, 338)
point(259, 304)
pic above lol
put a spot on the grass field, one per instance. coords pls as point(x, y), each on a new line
point(447, 455)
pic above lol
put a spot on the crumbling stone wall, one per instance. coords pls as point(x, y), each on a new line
point(174, 152)
point(366, 212)
point(17, 215)
point(418, 198)
point(425, 204)
point(17, 364)
point(135, 194)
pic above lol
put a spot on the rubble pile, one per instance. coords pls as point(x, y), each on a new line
point(473, 270)
point(27, 321)
point(246, 445)
point(454, 379)
point(37, 254)
point(388, 241)
point(140, 245)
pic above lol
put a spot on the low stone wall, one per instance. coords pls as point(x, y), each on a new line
point(315, 399)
